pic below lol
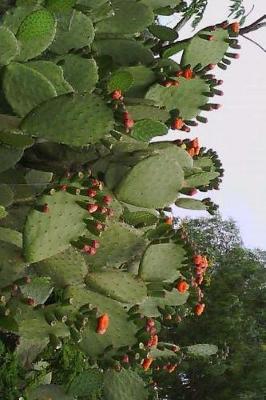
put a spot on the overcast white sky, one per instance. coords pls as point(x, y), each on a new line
point(237, 131)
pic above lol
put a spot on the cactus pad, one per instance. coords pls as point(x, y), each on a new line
point(51, 392)
point(146, 129)
point(54, 74)
point(66, 268)
point(81, 73)
point(35, 34)
point(125, 384)
point(187, 97)
point(12, 265)
point(149, 307)
point(152, 183)
point(203, 51)
point(201, 178)
point(142, 111)
point(39, 289)
point(161, 262)
point(120, 80)
point(202, 350)
point(9, 47)
point(9, 157)
point(77, 119)
point(25, 88)
point(120, 286)
point(143, 77)
point(74, 31)
point(11, 236)
point(47, 234)
point(190, 204)
point(141, 16)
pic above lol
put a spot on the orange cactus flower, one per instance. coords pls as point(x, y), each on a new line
point(199, 309)
point(177, 123)
point(147, 363)
point(103, 324)
point(235, 27)
point(182, 286)
point(187, 73)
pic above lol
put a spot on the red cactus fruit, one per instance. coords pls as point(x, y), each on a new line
point(129, 123)
point(91, 192)
point(107, 200)
point(211, 66)
point(102, 210)
point(89, 250)
point(199, 309)
point(99, 226)
point(171, 368)
point(63, 188)
point(188, 73)
point(182, 286)
point(153, 341)
point(167, 83)
point(192, 192)
point(235, 27)
point(30, 301)
point(169, 221)
point(125, 359)
point(103, 324)
point(95, 244)
point(177, 123)
point(117, 95)
point(147, 363)
point(150, 323)
point(45, 208)
point(92, 208)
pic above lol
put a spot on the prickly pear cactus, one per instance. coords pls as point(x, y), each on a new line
point(89, 253)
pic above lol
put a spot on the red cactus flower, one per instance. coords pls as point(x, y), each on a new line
point(235, 27)
point(103, 324)
point(177, 123)
point(117, 95)
point(199, 309)
point(147, 363)
point(92, 208)
point(129, 123)
point(182, 286)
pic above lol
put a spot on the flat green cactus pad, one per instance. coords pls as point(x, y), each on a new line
point(35, 34)
point(187, 97)
point(88, 382)
point(9, 156)
point(15, 140)
point(140, 14)
point(120, 332)
point(204, 52)
point(48, 233)
point(6, 195)
point(125, 384)
point(156, 4)
point(120, 80)
point(14, 17)
point(66, 268)
point(139, 112)
point(49, 392)
point(9, 47)
point(54, 74)
point(118, 243)
point(190, 204)
point(25, 88)
point(143, 77)
point(162, 354)
point(74, 31)
point(146, 129)
point(161, 262)
point(152, 183)
point(59, 5)
point(77, 119)
point(202, 178)
point(140, 218)
point(202, 350)
point(81, 73)
point(11, 236)
point(12, 265)
point(149, 307)
point(163, 33)
point(38, 289)
point(174, 152)
point(120, 286)
point(124, 51)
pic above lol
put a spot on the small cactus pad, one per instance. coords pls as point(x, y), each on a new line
point(125, 384)
point(143, 77)
point(11, 236)
point(149, 307)
point(118, 244)
point(161, 262)
point(77, 119)
point(187, 97)
point(120, 332)
point(48, 233)
point(202, 51)
point(54, 74)
point(80, 72)
point(124, 51)
point(190, 204)
point(141, 16)
point(9, 156)
point(120, 80)
point(66, 268)
point(140, 218)
point(25, 88)
point(74, 31)
point(146, 129)
point(9, 47)
point(202, 350)
point(201, 178)
point(152, 183)
point(142, 111)
point(35, 34)
point(120, 286)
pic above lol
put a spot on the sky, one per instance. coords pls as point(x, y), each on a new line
point(237, 131)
